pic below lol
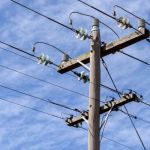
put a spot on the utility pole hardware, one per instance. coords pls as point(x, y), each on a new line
point(110, 48)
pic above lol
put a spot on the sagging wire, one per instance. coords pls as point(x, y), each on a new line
point(75, 12)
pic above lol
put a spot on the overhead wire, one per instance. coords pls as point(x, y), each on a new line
point(103, 126)
point(34, 109)
point(135, 117)
point(104, 64)
point(32, 60)
point(51, 19)
point(148, 104)
point(112, 17)
point(42, 80)
point(112, 140)
point(104, 86)
point(130, 13)
point(36, 97)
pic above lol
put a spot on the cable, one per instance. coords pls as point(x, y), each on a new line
point(129, 13)
point(97, 9)
point(93, 18)
point(24, 52)
point(104, 86)
point(34, 109)
point(33, 77)
point(50, 46)
point(135, 58)
point(32, 60)
point(44, 16)
point(145, 103)
point(106, 68)
point(118, 143)
point(135, 117)
point(41, 99)
point(18, 49)
point(114, 18)
point(16, 54)
point(125, 107)
point(135, 129)
point(105, 122)
point(112, 140)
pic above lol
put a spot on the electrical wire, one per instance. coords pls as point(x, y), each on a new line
point(50, 46)
point(112, 140)
point(93, 18)
point(129, 13)
point(34, 109)
point(42, 80)
point(104, 86)
point(135, 117)
point(105, 123)
point(41, 99)
point(97, 9)
point(18, 49)
point(135, 58)
point(32, 60)
point(125, 107)
point(57, 22)
point(114, 18)
point(148, 104)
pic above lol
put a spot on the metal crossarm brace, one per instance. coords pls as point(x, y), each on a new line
point(126, 98)
point(110, 48)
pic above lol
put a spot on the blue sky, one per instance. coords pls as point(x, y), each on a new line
point(24, 129)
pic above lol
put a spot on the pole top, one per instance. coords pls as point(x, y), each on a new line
point(95, 22)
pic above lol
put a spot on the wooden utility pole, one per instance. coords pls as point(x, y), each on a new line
point(94, 89)
point(93, 57)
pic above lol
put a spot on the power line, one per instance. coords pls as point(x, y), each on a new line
point(145, 103)
point(97, 9)
point(45, 16)
point(34, 109)
point(112, 140)
point(33, 77)
point(18, 49)
point(135, 117)
point(32, 60)
point(135, 58)
point(104, 86)
point(42, 99)
point(125, 107)
point(9, 51)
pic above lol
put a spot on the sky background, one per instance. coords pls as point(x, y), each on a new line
point(24, 129)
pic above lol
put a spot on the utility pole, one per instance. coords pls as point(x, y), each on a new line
point(98, 51)
point(94, 89)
